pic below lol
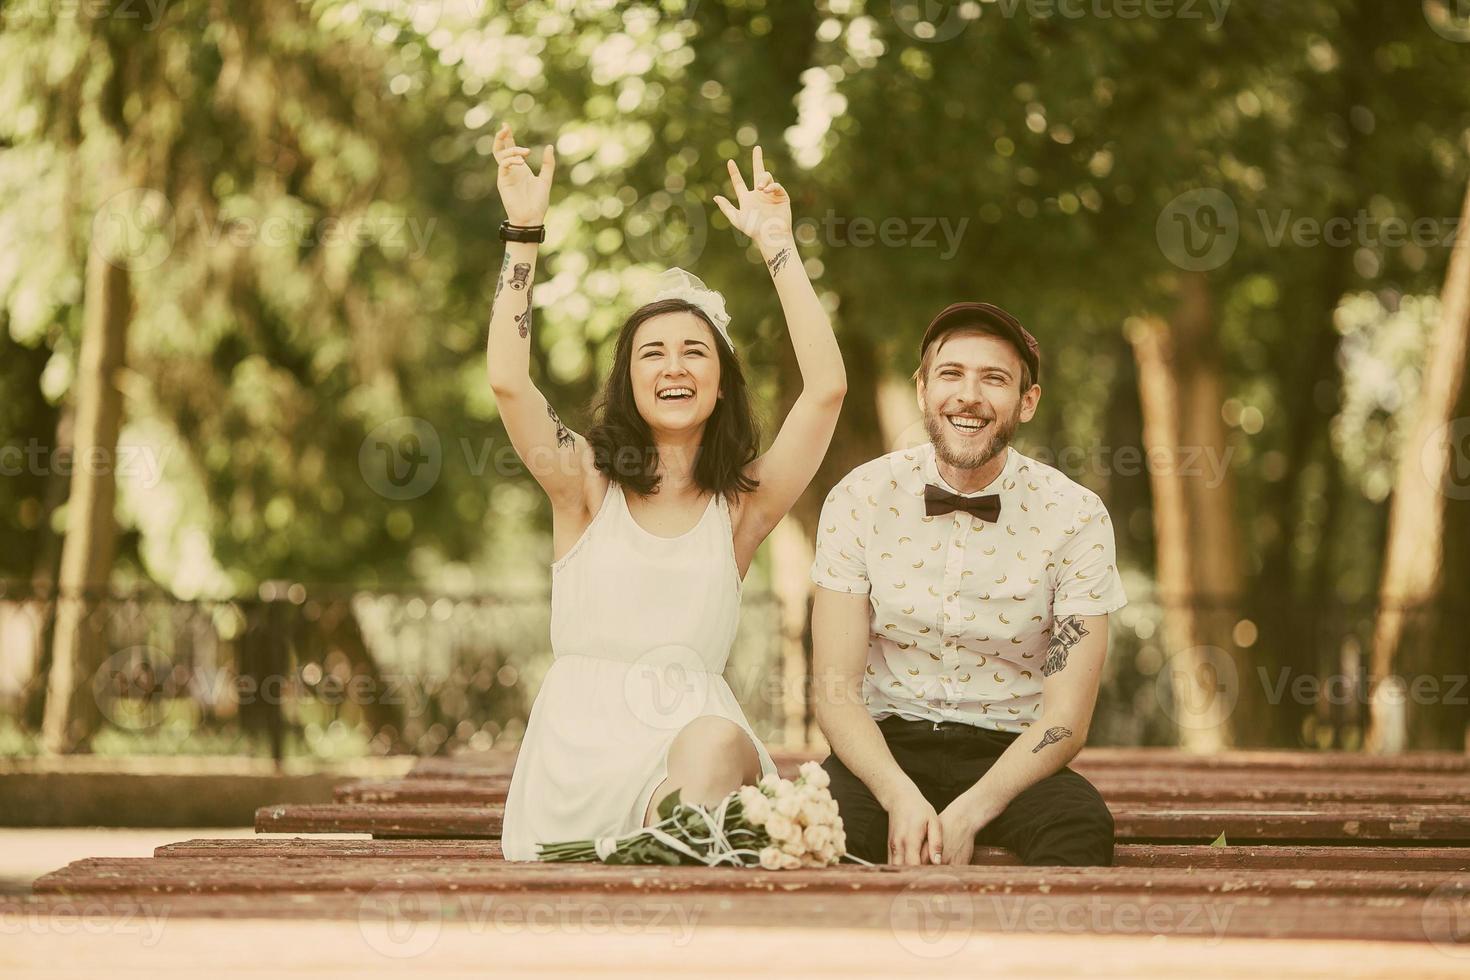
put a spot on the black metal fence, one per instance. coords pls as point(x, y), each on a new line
point(296, 672)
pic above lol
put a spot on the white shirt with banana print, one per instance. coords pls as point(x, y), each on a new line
point(962, 609)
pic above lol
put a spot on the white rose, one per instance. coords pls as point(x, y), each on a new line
point(815, 775)
point(794, 846)
point(758, 810)
point(790, 862)
point(770, 781)
point(788, 806)
point(816, 837)
point(771, 858)
point(780, 827)
point(829, 854)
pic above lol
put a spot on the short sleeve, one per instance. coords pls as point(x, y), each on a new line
point(840, 563)
point(1088, 583)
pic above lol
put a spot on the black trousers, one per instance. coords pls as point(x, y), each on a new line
point(1061, 820)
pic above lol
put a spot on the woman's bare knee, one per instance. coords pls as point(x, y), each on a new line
point(715, 750)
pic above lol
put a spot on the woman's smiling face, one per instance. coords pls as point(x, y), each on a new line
point(675, 371)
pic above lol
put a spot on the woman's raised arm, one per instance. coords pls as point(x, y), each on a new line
point(556, 456)
point(764, 213)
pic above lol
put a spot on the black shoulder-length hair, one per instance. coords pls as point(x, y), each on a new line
point(622, 444)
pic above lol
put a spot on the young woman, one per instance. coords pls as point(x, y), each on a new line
point(656, 515)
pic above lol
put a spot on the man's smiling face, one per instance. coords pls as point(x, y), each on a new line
point(971, 397)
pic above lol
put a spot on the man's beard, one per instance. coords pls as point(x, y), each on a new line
point(947, 445)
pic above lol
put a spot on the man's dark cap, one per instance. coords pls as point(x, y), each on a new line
point(970, 314)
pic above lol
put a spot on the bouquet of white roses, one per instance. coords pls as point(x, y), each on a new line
point(778, 824)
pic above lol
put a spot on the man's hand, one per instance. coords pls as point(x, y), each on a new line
point(914, 832)
point(960, 822)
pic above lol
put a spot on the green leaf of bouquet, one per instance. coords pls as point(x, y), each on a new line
point(666, 808)
point(1219, 841)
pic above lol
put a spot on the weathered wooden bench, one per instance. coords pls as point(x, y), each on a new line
point(1317, 845)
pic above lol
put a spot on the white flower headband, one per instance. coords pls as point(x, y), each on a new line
point(678, 284)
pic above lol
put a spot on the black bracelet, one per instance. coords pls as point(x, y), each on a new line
point(522, 233)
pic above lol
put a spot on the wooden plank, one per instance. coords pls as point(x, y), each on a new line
point(1260, 760)
point(1116, 786)
point(1202, 823)
point(365, 874)
point(382, 820)
point(1347, 822)
point(1089, 760)
point(907, 920)
point(1126, 855)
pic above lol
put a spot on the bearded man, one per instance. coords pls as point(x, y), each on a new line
point(961, 622)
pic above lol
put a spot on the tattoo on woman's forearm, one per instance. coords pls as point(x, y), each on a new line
point(778, 261)
point(1052, 736)
point(500, 279)
point(1064, 636)
point(564, 437)
point(519, 275)
point(523, 319)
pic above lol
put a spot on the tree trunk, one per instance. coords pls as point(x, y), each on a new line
point(1198, 559)
point(91, 531)
point(1430, 466)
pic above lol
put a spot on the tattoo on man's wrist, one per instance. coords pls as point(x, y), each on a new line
point(778, 261)
point(519, 275)
point(1051, 737)
point(1064, 636)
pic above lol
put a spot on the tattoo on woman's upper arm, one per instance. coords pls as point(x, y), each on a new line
point(1052, 736)
point(1064, 635)
point(564, 437)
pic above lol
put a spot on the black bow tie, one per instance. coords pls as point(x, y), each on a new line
point(937, 500)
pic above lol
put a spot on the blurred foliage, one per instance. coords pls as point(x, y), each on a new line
point(317, 242)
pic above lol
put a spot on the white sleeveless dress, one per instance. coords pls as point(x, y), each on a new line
point(641, 628)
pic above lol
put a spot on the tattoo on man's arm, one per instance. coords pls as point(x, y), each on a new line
point(519, 275)
point(1064, 635)
point(564, 437)
point(778, 261)
point(1052, 736)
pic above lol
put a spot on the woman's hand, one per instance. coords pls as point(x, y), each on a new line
point(525, 195)
point(764, 211)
